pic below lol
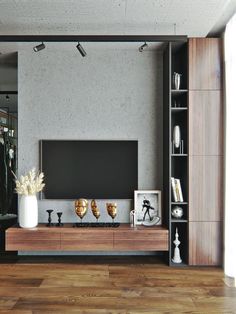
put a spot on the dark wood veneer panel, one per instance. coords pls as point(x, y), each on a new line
point(18, 239)
point(146, 240)
point(205, 123)
point(205, 243)
point(205, 63)
point(205, 188)
point(87, 240)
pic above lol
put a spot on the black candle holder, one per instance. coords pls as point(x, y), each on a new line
point(49, 224)
point(59, 224)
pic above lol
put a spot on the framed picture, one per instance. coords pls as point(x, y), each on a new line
point(147, 206)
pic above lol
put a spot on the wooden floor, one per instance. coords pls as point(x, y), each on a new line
point(111, 285)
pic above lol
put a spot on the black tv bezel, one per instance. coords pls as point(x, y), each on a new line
point(41, 194)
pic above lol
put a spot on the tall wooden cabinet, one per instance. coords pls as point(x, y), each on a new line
point(205, 151)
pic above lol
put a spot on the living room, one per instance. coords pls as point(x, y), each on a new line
point(116, 119)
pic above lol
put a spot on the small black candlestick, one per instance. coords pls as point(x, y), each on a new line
point(49, 224)
point(59, 224)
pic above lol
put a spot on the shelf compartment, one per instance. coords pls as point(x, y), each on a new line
point(184, 218)
point(179, 99)
point(179, 56)
point(183, 238)
point(179, 169)
point(180, 118)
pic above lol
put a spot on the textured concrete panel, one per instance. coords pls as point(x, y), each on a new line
point(110, 94)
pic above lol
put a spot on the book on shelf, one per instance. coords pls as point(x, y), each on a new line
point(174, 193)
point(176, 190)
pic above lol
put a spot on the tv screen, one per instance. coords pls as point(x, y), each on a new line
point(89, 169)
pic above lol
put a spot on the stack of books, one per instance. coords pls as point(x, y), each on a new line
point(176, 190)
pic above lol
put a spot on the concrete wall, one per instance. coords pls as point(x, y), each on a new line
point(110, 94)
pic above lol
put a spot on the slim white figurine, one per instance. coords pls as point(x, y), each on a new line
point(176, 258)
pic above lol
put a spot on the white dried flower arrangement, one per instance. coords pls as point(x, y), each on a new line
point(30, 184)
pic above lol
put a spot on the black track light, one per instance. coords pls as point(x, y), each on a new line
point(39, 47)
point(145, 45)
point(81, 50)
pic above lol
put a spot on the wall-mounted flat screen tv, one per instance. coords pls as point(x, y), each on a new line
point(89, 169)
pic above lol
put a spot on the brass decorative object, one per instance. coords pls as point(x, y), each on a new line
point(95, 209)
point(112, 210)
point(81, 207)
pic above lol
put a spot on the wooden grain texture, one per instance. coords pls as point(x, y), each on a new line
point(18, 239)
point(126, 285)
point(205, 243)
point(205, 63)
point(205, 123)
point(146, 240)
point(87, 239)
point(205, 188)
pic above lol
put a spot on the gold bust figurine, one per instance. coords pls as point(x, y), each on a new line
point(81, 207)
point(112, 210)
point(95, 209)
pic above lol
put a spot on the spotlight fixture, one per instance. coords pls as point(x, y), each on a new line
point(145, 45)
point(81, 50)
point(7, 97)
point(39, 47)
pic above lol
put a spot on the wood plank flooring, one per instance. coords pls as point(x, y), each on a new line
point(119, 285)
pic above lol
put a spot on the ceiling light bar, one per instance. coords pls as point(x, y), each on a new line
point(93, 38)
point(81, 50)
point(144, 46)
point(39, 47)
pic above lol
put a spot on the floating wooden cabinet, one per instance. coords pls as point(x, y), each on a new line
point(147, 239)
point(205, 123)
point(205, 63)
point(68, 238)
point(87, 239)
point(205, 244)
point(18, 239)
point(205, 188)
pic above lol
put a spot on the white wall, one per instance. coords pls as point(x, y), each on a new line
point(110, 94)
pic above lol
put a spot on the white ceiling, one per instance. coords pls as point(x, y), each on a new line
point(195, 18)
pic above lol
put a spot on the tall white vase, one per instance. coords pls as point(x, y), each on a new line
point(28, 211)
point(176, 136)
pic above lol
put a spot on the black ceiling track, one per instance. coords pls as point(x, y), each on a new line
point(92, 38)
point(8, 92)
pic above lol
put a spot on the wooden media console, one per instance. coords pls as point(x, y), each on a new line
point(68, 238)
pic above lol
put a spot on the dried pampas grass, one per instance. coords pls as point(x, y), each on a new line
point(30, 184)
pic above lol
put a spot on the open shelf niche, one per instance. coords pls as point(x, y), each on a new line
point(176, 158)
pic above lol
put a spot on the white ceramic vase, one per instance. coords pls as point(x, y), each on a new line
point(28, 211)
point(176, 136)
point(176, 80)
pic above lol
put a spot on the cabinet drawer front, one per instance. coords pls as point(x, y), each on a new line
point(141, 240)
point(33, 240)
point(92, 240)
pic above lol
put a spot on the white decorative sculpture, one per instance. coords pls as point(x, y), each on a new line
point(132, 217)
point(176, 80)
point(176, 136)
point(176, 258)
